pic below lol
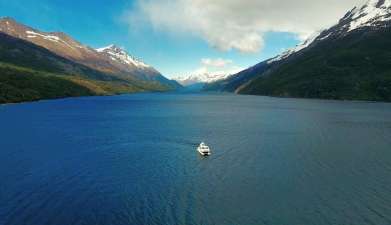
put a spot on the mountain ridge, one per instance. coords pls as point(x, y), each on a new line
point(201, 78)
point(33, 70)
point(346, 61)
point(67, 47)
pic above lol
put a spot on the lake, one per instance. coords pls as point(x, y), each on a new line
point(132, 159)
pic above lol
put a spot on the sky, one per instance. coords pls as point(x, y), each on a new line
point(183, 37)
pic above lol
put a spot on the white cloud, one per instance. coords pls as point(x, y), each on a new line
point(216, 66)
point(219, 62)
point(225, 71)
point(239, 24)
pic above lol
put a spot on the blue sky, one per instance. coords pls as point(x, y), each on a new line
point(99, 23)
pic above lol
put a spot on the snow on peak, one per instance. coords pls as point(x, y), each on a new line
point(379, 3)
point(297, 48)
point(30, 34)
point(202, 77)
point(373, 11)
point(370, 14)
point(120, 55)
point(106, 48)
point(33, 34)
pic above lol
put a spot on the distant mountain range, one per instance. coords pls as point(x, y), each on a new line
point(201, 78)
point(350, 60)
point(34, 63)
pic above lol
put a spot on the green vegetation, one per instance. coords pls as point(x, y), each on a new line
point(21, 85)
point(357, 66)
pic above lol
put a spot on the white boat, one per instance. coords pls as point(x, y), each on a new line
point(203, 149)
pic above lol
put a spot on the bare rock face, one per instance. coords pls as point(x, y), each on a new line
point(57, 42)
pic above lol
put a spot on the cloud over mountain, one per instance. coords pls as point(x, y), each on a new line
point(216, 62)
point(239, 24)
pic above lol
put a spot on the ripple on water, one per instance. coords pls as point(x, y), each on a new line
point(133, 160)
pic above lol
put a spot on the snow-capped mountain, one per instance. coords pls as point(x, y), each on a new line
point(60, 44)
point(203, 78)
point(119, 55)
point(111, 60)
point(127, 63)
point(349, 60)
point(297, 48)
point(375, 14)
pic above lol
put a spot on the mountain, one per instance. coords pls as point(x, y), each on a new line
point(29, 72)
point(231, 83)
point(199, 80)
point(63, 45)
point(203, 77)
point(128, 64)
point(32, 70)
point(350, 60)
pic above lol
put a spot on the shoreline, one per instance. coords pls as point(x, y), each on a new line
point(131, 93)
point(82, 96)
point(47, 99)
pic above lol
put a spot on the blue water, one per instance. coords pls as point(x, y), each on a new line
point(132, 159)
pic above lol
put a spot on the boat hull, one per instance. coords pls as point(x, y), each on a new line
point(203, 153)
